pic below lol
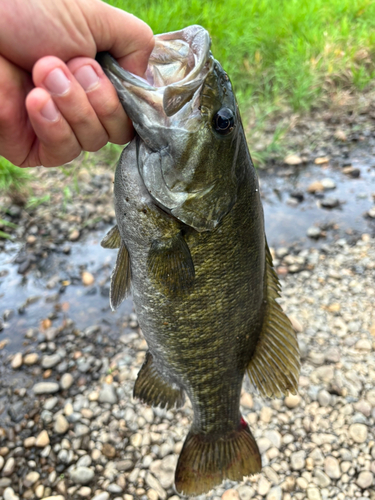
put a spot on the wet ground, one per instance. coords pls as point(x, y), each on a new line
point(53, 289)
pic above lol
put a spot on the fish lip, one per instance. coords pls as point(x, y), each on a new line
point(168, 99)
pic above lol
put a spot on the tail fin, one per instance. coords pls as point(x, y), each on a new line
point(206, 460)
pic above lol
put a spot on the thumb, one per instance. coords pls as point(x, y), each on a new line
point(126, 37)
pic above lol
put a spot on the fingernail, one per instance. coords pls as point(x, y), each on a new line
point(87, 77)
point(49, 111)
point(56, 82)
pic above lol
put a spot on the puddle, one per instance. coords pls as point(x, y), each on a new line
point(54, 289)
point(287, 224)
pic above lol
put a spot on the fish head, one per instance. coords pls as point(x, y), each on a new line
point(188, 126)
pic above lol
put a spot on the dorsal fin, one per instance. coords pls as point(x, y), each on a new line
point(112, 239)
point(274, 368)
point(120, 279)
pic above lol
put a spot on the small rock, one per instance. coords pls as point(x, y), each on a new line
point(263, 486)
point(275, 493)
point(31, 478)
point(17, 361)
point(298, 459)
point(324, 398)
point(332, 467)
point(321, 479)
point(87, 278)
point(328, 183)
point(66, 381)
point(292, 401)
point(330, 202)
point(358, 432)
point(352, 172)
point(153, 483)
point(363, 345)
point(82, 475)
point(340, 135)
point(50, 361)
point(321, 160)
point(39, 491)
point(365, 479)
point(9, 494)
point(313, 494)
point(371, 213)
point(315, 187)
point(101, 496)
point(230, 495)
point(31, 359)
point(247, 400)
point(46, 388)
point(108, 394)
point(266, 414)
point(246, 492)
point(293, 160)
point(314, 232)
point(9, 467)
point(42, 439)
point(74, 235)
point(61, 424)
point(29, 442)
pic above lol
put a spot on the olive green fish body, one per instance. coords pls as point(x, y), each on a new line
point(192, 250)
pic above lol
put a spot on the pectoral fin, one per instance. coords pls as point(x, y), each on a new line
point(112, 239)
point(151, 388)
point(274, 368)
point(120, 279)
point(171, 266)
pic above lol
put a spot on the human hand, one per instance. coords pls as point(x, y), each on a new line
point(55, 98)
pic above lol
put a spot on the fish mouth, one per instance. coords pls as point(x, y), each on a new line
point(177, 69)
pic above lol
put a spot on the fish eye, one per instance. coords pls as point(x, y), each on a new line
point(224, 121)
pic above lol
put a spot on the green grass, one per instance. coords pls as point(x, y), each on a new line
point(278, 51)
point(12, 178)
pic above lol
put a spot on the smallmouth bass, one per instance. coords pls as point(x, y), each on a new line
point(192, 249)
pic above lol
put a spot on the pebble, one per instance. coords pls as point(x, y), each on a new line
point(324, 398)
point(61, 424)
point(87, 278)
point(292, 401)
point(17, 361)
point(101, 496)
point(264, 486)
point(9, 494)
point(314, 232)
point(31, 359)
point(8, 468)
point(108, 394)
point(42, 439)
point(46, 388)
point(293, 160)
point(50, 361)
point(358, 432)
point(365, 479)
point(246, 492)
point(74, 235)
point(332, 467)
point(328, 183)
point(66, 381)
point(315, 187)
point(330, 202)
point(230, 495)
point(297, 460)
point(31, 478)
point(82, 475)
point(275, 493)
point(313, 494)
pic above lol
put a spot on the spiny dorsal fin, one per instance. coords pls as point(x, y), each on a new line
point(171, 266)
point(151, 388)
point(120, 279)
point(274, 368)
point(112, 239)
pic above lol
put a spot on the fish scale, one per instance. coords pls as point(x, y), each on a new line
point(193, 251)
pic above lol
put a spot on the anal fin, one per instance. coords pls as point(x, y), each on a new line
point(206, 460)
point(112, 239)
point(171, 266)
point(151, 388)
point(275, 366)
point(120, 279)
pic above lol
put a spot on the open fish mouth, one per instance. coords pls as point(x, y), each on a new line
point(176, 71)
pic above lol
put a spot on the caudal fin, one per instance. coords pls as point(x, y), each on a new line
point(205, 461)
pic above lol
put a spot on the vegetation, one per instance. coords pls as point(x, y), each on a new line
point(12, 178)
point(278, 51)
